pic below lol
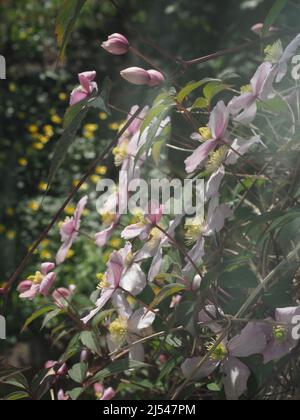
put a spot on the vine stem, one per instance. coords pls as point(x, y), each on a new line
point(55, 219)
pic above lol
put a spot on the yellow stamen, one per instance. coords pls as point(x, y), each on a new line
point(118, 328)
point(219, 353)
point(246, 89)
point(108, 218)
point(103, 283)
point(216, 159)
point(193, 230)
point(37, 278)
point(205, 133)
point(280, 333)
point(120, 153)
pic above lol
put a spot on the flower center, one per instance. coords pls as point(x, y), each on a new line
point(216, 159)
point(155, 237)
point(246, 89)
point(219, 353)
point(129, 259)
point(274, 52)
point(118, 328)
point(103, 283)
point(280, 333)
point(193, 230)
point(108, 218)
point(37, 278)
point(205, 133)
point(120, 153)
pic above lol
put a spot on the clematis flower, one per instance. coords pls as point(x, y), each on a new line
point(212, 136)
point(116, 44)
point(281, 66)
point(146, 224)
point(280, 338)
point(103, 394)
point(225, 357)
point(38, 284)
point(197, 229)
point(139, 76)
point(247, 102)
point(129, 327)
point(86, 88)
point(69, 231)
point(223, 157)
point(123, 273)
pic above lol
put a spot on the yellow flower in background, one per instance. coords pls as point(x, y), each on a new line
point(43, 139)
point(103, 116)
point(95, 179)
point(89, 131)
point(85, 212)
point(12, 87)
point(91, 127)
point(115, 243)
point(84, 186)
point(23, 162)
point(43, 186)
point(70, 254)
point(62, 96)
point(45, 243)
point(11, 235)
point(48, 130)
point(37, 146)
point(70, 210)
point(101, 170)
point(45, 254)
point(2, 229)
point(33, 205)
point(9, 212)
point(33, 129)
point(56, 119)
point(115, 126)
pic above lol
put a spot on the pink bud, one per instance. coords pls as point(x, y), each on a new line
point(156, 78)
point(24, 286)
point(258, 28)
point(61, 396)
point(116, 44)
point(108, 394)
point(136, 75)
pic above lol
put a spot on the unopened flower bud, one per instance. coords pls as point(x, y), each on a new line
point(136, 75)
point(156, 78)
point(116, 44)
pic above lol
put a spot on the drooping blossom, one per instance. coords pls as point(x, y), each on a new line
point(38, 284)
point(56, 368)
point(104, 394)
point(225, 357)
point(62, 295)
point(212, 136)
point(129, 327)
point(139, 76)
point(280, 337)
point(197, 229)
point(69, 231)
point(123, 273)
point(116, 44)
point(256, 91)
point(85, 89)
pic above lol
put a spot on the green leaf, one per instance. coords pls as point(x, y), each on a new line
point(50, 316)
point(167, 291)
point(200, 103)
point(91, 341)
point(118, 367)
point(75, 393)
point(214, 387)
point(191, 87)
point(37, 314)
point(73, 348)
point(18, 381)
point(18, 395)
point(274, 13)
point(66, 21)
point(242, 278)
point(78, 372)
point(212, 89)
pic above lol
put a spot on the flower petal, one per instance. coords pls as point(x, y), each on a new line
point(199, 156)
point(252, 340)
point(190, 371)
point(236, 378)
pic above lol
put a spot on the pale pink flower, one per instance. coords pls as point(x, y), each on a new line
point(280, 338)
point(61, 396)
point(129, 327)
point(156, 78)
point(103, 394)
point(110, 218)
point(217, 129)
point(38, 284)
point(116, 44)
point(85, 89)
point(247, 102)
point(280, 69)
point(236, 374)
point(258, 28)
point(69, 231)
point(123, 273)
